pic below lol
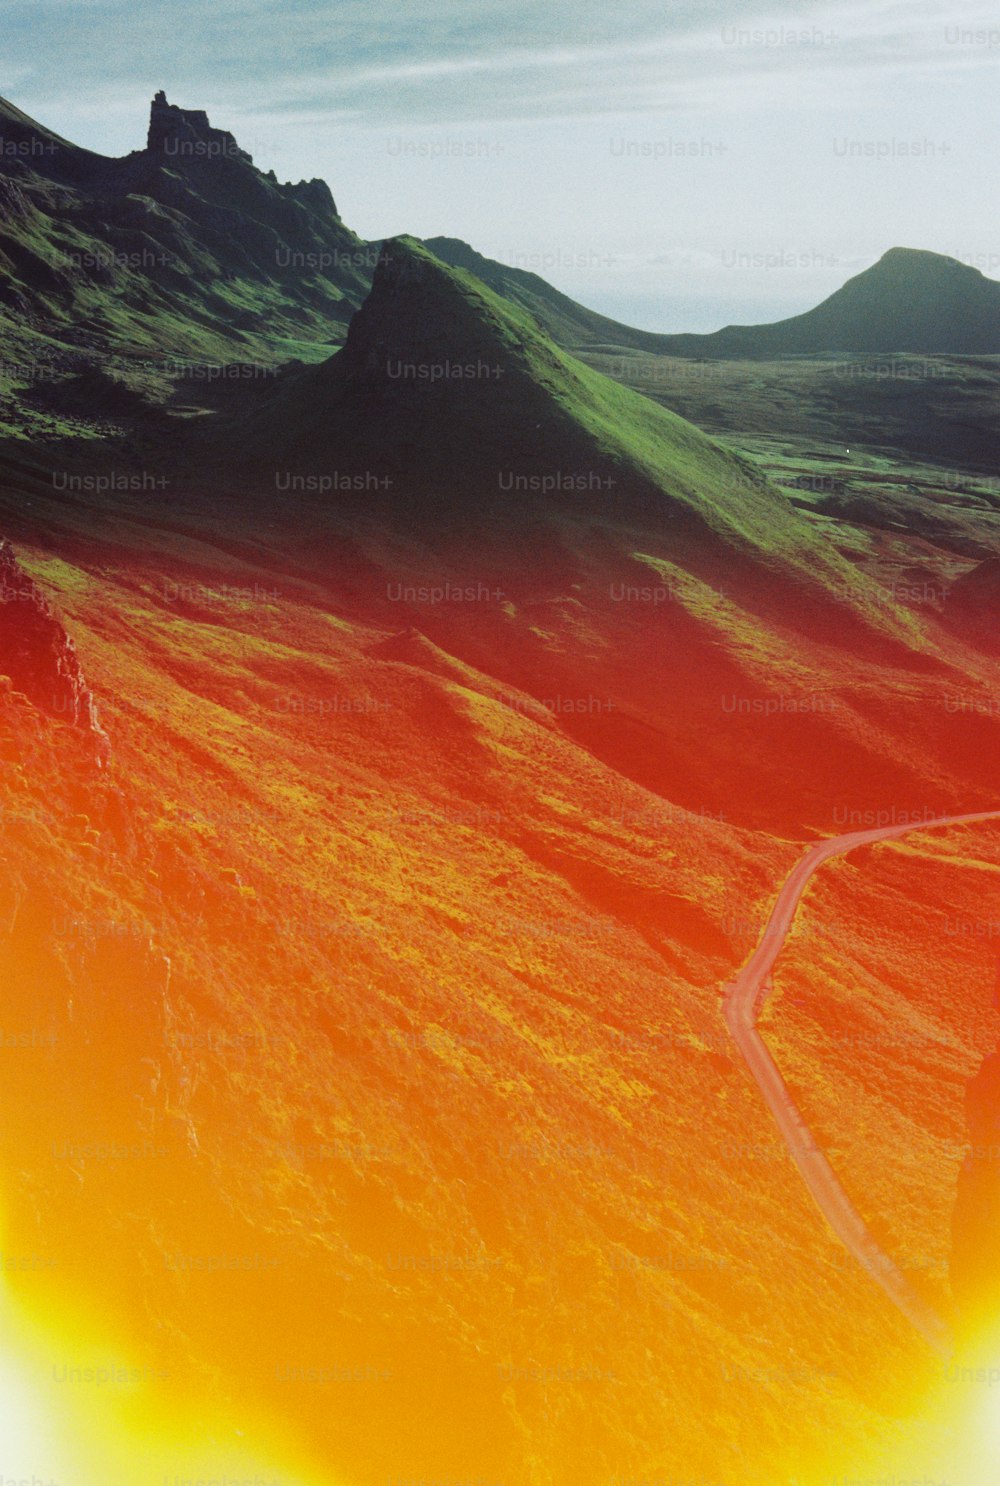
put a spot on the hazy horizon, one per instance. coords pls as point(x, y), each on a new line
point(727, 162)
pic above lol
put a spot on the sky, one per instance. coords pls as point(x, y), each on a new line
point(679, 165)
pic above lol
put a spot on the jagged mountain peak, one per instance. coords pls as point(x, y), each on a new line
point(186, 133)
point(182, 245)
point(185, 136)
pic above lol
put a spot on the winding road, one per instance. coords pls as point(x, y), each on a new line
point(743, 999)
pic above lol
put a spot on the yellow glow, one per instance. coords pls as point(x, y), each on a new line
point(990, 1419)
point(104, 1436)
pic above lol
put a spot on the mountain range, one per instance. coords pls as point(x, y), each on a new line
point(199, 250)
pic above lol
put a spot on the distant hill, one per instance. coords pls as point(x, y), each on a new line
point(910, 301)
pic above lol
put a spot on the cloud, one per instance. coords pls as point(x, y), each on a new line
point(446, 61)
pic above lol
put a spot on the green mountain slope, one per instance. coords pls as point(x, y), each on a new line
point(446, 393)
